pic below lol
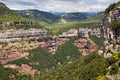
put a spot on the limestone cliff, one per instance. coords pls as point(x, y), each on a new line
point(110, 29)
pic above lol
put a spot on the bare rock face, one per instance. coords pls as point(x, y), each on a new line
point(110, 29)
point(8, 24)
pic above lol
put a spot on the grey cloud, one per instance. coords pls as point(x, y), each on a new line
point(20, 2)
point(5, 0)
point(25, 3)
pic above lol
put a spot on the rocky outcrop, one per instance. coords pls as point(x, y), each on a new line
point(111, 37)
point(2, 4)
point(7, 24)
point(23, 35)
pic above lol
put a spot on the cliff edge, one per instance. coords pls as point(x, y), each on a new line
point(110, 30)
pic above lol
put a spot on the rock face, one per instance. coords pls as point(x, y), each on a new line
point(7, 24)
point(23, 35)
point(110, 36)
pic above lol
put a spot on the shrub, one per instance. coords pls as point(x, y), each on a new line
point(114, 69)
point(115, 25)
point(111, 7)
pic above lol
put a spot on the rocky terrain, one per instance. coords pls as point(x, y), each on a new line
point(31, 34)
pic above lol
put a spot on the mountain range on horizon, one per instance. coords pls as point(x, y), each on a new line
point(49, 17)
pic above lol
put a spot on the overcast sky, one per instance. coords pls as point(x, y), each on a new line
point(60, 5)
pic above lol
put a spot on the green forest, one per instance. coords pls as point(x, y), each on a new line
point(91, 67)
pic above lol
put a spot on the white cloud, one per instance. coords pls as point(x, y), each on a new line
point(98, 7)
point(73, 7)
point(103, 1)
point(65, 6)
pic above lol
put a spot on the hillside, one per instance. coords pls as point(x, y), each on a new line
point(38, 15)
point(76, 16)
point(10, 19)
point(51, 17)
point(85, 68)
point(91, 67)
point(9, 15)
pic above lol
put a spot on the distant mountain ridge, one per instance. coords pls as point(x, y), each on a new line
point(38, 15)
point(77, 16)
point(56, 13)
point(51, 17)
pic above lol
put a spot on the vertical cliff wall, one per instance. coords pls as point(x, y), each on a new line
point(110, 30)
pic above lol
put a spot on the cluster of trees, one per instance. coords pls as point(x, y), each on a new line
point(115, 25)
point(67, 53)
point(111, 7)
point(5, 73)
point(10, 74)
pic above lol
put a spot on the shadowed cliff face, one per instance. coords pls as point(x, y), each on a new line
point(110, 29)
